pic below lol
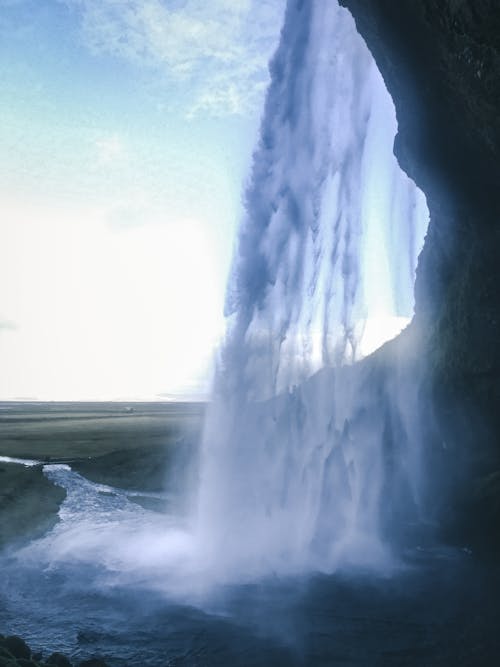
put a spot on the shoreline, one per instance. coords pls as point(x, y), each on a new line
point(144, 447)
point(29, 503)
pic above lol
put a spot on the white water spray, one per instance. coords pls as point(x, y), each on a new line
point(327, 252)
point(292, 471)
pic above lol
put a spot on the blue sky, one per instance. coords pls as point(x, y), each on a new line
point(126, 130)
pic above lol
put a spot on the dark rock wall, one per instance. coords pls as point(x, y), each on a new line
point(440, 60)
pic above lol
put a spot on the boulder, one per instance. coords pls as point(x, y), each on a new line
point(58, 660)
point(5, 654)
point(17, 647)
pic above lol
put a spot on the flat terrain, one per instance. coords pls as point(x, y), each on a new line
point(54, 431)
point(137, 446)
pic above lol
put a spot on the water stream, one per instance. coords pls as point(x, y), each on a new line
point(105, 582)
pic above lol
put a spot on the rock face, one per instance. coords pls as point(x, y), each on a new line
point(14, 652)
point(29, 503)
point(440, 60)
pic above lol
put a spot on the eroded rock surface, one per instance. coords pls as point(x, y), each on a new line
point(440, 60)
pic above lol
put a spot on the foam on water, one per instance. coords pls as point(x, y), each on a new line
point(29, 463)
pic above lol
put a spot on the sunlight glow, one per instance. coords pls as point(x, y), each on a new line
point(132, 313)
point(379, 330)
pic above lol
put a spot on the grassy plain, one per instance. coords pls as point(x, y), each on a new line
point(136, 446)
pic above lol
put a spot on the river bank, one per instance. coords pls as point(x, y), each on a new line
point(138, 446)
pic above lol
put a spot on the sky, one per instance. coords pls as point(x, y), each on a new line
point(126, 134)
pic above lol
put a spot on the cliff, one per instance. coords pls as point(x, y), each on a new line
point(440, 60)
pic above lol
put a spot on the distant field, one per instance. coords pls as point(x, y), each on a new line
point(50, 431)
point(136, 446)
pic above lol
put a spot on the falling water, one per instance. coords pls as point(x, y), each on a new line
point(326, 259)
point(293, 471)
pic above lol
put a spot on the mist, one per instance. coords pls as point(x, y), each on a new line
point(295, 529)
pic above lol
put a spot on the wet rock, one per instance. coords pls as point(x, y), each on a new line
point(8, 663)
point(58, 660)
point(93, 662)
point(441, 62)
point(5, 654)
point(17, 647)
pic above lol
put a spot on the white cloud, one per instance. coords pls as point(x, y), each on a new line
point(219, 48)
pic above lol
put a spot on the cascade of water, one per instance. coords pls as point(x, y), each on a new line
point(327, 252)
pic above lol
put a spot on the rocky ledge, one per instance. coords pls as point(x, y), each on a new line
point(14, 652)
point(440, 60)
point(29, 503)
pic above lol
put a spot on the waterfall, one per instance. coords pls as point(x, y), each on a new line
point(323, 272)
